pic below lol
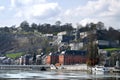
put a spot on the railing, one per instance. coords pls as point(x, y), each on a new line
point(24, 67)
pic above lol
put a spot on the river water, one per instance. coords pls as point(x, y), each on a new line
point(57, 75)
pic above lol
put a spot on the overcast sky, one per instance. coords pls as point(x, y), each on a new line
point(13, 12)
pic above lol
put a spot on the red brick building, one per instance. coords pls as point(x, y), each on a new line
point(68, 57)
point(52, 58)
point(72, 57)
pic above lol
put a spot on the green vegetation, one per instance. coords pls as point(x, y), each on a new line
point(15, 55)
point(112, 49)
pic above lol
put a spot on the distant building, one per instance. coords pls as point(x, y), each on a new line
point(83, 35)
point(21, 60)
point(52, 58)
point(105, 43)
point(71, 57)
point(7, 61)
point(76, 46)
point(114, 43)
point(48, 36)
point(64, 37)
point(26, 59)
point(1, 59)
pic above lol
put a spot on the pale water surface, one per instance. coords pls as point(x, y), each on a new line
point(57, 75)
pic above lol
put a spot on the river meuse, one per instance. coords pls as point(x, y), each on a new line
point(57, 75)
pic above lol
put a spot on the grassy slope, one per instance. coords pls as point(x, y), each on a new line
point(112, 49)
point(14, 55)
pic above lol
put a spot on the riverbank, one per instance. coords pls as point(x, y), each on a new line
point(78, 67)
point(24, 67)
point(81, 67)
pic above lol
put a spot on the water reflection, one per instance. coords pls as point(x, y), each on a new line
point(58, 75)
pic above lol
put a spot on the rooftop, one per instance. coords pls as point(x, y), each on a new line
point(74, 52)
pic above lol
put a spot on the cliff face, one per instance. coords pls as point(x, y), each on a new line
point(12, 43)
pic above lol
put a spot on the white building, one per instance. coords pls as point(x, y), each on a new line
point(60, 36)
point(21, 60)
point(103, 42)
point(76, 46)
point(83, 34)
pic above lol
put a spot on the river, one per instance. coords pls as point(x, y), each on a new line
point(57, 75)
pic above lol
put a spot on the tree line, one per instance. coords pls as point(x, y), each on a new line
point(103, 33)
point(42, 28)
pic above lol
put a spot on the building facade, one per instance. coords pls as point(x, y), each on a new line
point(72, 57)
point(69, 57)
point(52, 58)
